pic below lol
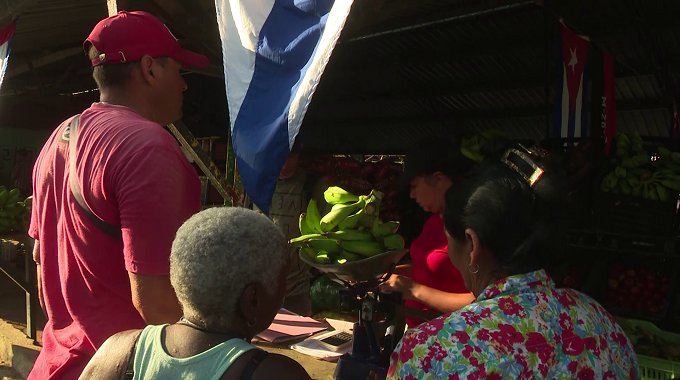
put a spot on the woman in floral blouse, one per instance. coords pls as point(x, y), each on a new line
point(501, 223)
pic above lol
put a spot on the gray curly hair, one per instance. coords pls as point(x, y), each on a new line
point(216, 254)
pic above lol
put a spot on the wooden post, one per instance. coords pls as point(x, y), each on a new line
point(112, 7)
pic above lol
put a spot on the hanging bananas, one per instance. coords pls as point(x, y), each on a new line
point(639, 174)
point(349, 232)
point(14, 213)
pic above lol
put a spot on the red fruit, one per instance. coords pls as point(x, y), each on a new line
point(664, 279)
point(651, 278)
point(635, 290)
point(629, 282)
point(613, 284)
point(631, 272)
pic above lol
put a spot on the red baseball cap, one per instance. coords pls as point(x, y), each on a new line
point(128, 36)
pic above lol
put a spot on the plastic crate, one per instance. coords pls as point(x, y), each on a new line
point(598, 283)
point(627, 214)
point(658, 369)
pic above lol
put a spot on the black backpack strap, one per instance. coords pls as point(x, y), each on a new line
point(108, 228)
point(255, 361)
point(130, 369)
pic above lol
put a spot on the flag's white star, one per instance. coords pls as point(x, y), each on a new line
point(573, 60)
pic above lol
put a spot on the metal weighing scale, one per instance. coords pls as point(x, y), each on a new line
point(362, 280)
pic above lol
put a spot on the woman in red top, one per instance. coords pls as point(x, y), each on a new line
point(431, 282)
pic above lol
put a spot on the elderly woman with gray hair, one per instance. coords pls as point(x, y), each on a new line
point(228, 267)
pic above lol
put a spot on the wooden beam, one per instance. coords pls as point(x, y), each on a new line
point(44, 61)
point(112, 7)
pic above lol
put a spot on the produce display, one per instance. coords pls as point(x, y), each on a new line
point(360, 177)
point(470, 146)
point(351, 231)
point(649, 340)
point(635, 173)
point(14, 212)
point(640, 289)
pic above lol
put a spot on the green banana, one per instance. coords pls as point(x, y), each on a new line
point(4, 195)
point(350, 235)
point(662, 192)
point(373, 200)
point(351, 221)
point(675, 156)
point(301, 241)
point(471, 154)
point(327, 245)
point(620, 172)
point(313, 217)
point(625, 187)
point(334, 217)
point(375, 228)
point(366, 221)
point(653, 194)
point(671, 184)
point(350, 256)
point(303, 226)
point(664, 152)
point(322, 258)
point(612, 181)
point(394, 241)
point(629, 163)
point(337, 206)
point(334, 195)
point(28, 202)
point(605, 185)
point(309, 253)
point(340, 261)
point(632, 180)
point(13, 196)
point(637, 190)
point(389, 227)
point(364, 248)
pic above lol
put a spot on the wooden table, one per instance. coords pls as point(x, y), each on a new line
point(316, 368)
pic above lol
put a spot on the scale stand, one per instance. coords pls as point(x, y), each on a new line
point(366, 354)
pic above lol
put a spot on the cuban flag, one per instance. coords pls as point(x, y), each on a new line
point(274, 53)
point(5, 39)
point(571, 92)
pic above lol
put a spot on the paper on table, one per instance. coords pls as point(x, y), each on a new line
point(288, 326)
point(313, 348)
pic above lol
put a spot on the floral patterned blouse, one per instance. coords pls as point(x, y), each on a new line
point(520, 327)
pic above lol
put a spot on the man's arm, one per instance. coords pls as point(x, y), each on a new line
point(38, 277)
point(154, 298)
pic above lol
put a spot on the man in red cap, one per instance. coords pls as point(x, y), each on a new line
point(111, 188)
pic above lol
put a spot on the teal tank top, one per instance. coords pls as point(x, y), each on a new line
point(152, 362)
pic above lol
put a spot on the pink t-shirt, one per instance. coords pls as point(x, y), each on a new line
point(432, 266)
point(132, 173)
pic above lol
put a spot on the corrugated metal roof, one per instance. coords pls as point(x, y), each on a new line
point(490, 72)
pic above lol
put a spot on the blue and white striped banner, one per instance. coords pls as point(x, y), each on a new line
point(6, 35)
point(274, 53)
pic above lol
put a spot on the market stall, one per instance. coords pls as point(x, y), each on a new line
point(402, 71)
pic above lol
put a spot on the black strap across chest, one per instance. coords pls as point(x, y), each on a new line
point(108, 228)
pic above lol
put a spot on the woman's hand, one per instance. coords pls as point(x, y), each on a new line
point(398, 283)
